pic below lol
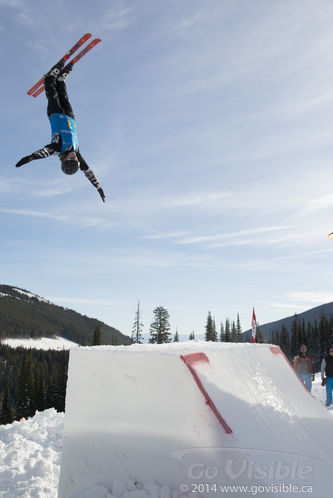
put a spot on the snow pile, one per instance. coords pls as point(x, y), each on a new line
point(239, 413)
point(30, 453)
point(45, 343)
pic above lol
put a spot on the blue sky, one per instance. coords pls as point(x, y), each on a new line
point(209, 126)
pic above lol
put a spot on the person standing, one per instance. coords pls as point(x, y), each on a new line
point(303, 366)
point(327, 375)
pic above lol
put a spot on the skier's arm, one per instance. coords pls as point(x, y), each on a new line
point(46, 151)
point(323, 366)
point(90, 175)
point(295, 364)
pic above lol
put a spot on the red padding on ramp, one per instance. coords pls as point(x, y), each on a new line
point(190, 360)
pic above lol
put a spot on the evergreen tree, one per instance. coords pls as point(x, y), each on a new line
point(222, 333)
point(285, 342)
point(233, 332)
point(97, 337)
point(211, 334)
point(239, 337)
point(227, 334)
point(191, 336)
point(176, 336)
point(159, 328)
point(26, 396)
point(137, 336)
point(7, 413)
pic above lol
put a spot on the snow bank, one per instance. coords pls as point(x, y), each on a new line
point(139, 414)
point(30, 454)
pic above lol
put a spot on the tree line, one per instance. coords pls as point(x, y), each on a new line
point(317, 335)
point(34, 379)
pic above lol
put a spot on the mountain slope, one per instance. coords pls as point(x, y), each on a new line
point(24, 314)
point(310, 315)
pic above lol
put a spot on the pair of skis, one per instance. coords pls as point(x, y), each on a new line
point(38, 88)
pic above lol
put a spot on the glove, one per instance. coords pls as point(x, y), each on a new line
point(101, 193)
point(323, 382)
point(24, 160)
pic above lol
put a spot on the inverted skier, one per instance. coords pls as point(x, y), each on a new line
point(64, 138)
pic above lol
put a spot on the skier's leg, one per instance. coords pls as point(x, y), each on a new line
point(329, 388)
point(51, 91)
point(63, 98)
point(307, 381)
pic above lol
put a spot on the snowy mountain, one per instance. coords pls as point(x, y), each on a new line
point(24, 314)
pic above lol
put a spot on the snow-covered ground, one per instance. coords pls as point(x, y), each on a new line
point(45, 343)
point(30, 454)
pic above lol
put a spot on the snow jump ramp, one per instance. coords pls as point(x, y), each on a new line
point(194, 418)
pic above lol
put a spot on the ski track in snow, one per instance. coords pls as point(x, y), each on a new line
point(30, 455)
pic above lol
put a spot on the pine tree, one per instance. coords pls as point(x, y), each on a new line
point(7, 411)
point(285, 342)
point(222, 333)
point(227, 331)
point(211, 334)
point(233, 332)
point(159, 328)
point(97, 338)
point(239, 337)
point(176, 336)
point(191, 336)
point(26, 396)
point(137, 337)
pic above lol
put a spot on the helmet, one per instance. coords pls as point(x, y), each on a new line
point(70, 166)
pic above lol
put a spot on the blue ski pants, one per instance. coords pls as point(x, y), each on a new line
point(306, 379)
point(329, 389)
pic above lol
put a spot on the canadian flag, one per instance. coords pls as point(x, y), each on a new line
point(254, 326)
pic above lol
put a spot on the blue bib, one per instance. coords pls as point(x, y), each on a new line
point(65, 126)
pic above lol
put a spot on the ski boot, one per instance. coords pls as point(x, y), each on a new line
point(63, 76)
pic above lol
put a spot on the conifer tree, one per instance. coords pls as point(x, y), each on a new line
point(7, 411)
point(97, 337)
point(191, 336)
point(176, 336)
point(285, 342)
point(222, 333)
point(233, 332)
point(227, 334)
point(239, 337)
point(159, 328)
point(137, 337)
point(211, 334)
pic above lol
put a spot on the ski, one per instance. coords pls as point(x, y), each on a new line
point(72, 62)
point(68, 54)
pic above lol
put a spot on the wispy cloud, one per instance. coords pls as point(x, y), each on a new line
point(311, 297)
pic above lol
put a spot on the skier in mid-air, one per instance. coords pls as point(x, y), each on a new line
point(64, 138)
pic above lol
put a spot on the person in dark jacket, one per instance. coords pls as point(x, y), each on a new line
point(303, 365)
point(64, 141)
point(327, 375)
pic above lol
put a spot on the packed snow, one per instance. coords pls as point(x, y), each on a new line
point(45, 343)
point(31, 452)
